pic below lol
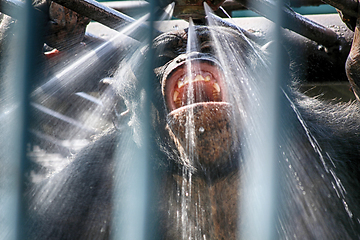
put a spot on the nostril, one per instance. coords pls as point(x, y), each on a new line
point(180, 60)
point(188, 56)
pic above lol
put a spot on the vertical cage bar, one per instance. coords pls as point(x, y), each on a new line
point(262, 182)
point(13, 145)
point(134, 189)
point(15, 117)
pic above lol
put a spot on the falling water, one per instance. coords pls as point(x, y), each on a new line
point(66, 76)
point(192, 44)
point(251, 45)
point(75, 125)
point(246, 86)
point(95, 110)
point(191, 47)
point(254, 95)
point(186, 194)
point(253, 92)
point(168, 12)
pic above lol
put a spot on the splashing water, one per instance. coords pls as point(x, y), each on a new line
point(192, 46)
point(242, 83)
point(95, 114)
point(254, 96)
point(66, 76)
point(168, 12)
point(254, 93)
point(246, 85)
point(209, 12)
point(95, 109)
point(186, 194)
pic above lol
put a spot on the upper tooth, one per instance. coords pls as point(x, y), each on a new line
point(216, 87)
point(176, 94)
point(199, 78)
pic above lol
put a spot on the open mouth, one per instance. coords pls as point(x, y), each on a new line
point(192, 82)
point(198, 84)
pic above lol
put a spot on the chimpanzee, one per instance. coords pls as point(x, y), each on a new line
point(199, 162)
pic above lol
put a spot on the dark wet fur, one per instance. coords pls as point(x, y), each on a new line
point(312, 202)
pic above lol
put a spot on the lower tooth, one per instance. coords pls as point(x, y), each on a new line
point(180, 84)
point(216, 87)
point(176, 94)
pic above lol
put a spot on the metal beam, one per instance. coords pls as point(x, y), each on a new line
point(348, 7)
point(88, 8)
point(105, 15)
point(295, 22)
point(11, 7)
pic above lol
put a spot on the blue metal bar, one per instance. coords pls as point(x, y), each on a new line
point(262, 182)
point(134, 188)
point(15, 111)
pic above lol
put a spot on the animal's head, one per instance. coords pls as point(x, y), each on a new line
point(198, 91)
point(200, 94)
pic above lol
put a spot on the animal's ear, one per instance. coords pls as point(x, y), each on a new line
point(111, 100)
point(104, 84)
point(268, 46)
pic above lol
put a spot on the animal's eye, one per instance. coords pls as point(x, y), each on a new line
point(164, 58)
point(207, 47)
point(168, 47)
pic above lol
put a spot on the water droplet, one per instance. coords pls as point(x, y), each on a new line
point(201, 129)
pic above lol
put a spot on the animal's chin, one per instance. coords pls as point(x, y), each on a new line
point(189, 108)
point(200, 118)
point(213, 134)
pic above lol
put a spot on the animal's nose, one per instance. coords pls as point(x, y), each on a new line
point(189, 56)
